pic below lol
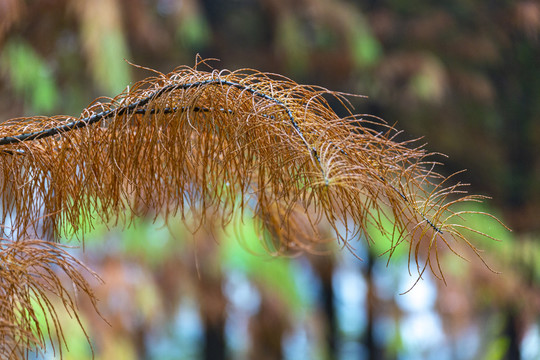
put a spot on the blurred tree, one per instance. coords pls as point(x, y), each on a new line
point(462, 74)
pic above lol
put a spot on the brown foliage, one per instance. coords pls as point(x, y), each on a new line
point(31, 283)
point(193, 142)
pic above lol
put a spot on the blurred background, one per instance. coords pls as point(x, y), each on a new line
point(464, 75)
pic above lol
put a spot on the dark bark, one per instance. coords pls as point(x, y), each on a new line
point(511, 333)
point(369, 340)
point(324, 267)
point(214, 341)
point(328, 303)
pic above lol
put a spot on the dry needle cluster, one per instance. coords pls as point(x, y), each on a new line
point(31, 273)
point(194, 142)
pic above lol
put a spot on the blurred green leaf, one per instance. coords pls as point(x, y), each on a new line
point(365, 47)
point(148, 241)
point(486, 224)
point(383, 243)
point(243, 250)
point(497, 349)
point(111, 69)
point(30, 75)
point(77, 346)
point(194, 32)
point(428, 83)
point(292, 43)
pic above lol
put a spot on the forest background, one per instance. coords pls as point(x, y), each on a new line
point(463, 75)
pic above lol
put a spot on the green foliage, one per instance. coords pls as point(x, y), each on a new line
point(110, 69)
point(30, 75)
point(366, 49)
point(497, 349)
point(292, 42)
point(242, 249)
point(385, 242)
point(194, 32)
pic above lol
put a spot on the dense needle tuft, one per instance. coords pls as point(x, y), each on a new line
point(33, 275)
point(192, 140)
point(195, 144)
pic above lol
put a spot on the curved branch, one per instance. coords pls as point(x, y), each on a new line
point(81, 123)
point(133, 108)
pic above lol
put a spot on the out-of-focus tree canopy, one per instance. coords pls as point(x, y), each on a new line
point(463, 75)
